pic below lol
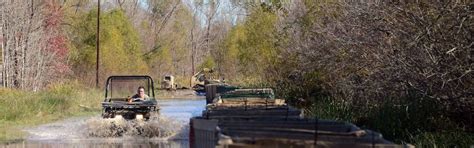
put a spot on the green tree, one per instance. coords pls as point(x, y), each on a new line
point(120, 51)
point(251, 48)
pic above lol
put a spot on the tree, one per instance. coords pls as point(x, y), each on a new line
point(25, 64)
point(408, 60)
point(250, 48)
point(120, 46)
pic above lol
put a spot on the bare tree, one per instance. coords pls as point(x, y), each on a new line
point(27, 60)
point(371, 53)
point(210, 10)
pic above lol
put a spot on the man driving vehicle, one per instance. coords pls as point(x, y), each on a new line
point(140, 94)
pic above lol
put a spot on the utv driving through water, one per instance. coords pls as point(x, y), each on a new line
point(118, 103)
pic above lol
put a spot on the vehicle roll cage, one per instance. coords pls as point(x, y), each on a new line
point(150, 83)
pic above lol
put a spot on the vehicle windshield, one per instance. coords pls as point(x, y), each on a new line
point(127, 86)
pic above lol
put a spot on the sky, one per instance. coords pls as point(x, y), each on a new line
point(224, 11)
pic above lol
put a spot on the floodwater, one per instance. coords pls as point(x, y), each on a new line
point(168, 129)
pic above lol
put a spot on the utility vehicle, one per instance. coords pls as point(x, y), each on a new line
point(118, 102)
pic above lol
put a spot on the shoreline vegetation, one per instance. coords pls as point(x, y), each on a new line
point(21, 109)
point(415, 120)
point(420, 123)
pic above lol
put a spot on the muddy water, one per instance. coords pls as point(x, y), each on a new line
point(168, 129)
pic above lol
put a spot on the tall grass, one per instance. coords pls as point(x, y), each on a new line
point(413, 120)
point(25, 108)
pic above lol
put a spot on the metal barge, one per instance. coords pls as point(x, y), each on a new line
point(254, 118)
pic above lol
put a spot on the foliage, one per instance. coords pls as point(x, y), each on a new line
point(383, 66)
point(23, 108)
point(249, 49)
point(32, 44)
point(170, 53)
point(207, 63)
point(228, 63)
point(120, 51)
point(57, 42)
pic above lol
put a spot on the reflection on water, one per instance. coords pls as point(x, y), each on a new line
point(126, 143)
point(182, 110)
point(170, 129)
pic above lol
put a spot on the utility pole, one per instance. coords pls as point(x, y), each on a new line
point(2, 68)
point(97, 45)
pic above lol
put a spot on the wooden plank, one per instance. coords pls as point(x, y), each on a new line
point(334, 128)
point(253, 113)
point(267, 142)
point(304, 136)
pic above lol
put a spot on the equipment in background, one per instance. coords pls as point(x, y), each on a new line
point(203, 78)
point(168, 83)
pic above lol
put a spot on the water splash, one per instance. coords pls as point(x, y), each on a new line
point(156, 127)
point(169, 129)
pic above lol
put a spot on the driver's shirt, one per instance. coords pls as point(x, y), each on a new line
point(138, 96)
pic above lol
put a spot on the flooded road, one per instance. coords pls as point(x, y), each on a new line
point(169, 129)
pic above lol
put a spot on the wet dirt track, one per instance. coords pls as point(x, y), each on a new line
point(169, 129)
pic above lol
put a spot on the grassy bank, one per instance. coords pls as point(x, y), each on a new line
point(21, 109)
point(422, 122)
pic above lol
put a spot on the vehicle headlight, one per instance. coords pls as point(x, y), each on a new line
point(118, 117)
point(139, 117)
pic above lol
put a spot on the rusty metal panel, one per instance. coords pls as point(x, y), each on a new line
point(204, 132)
